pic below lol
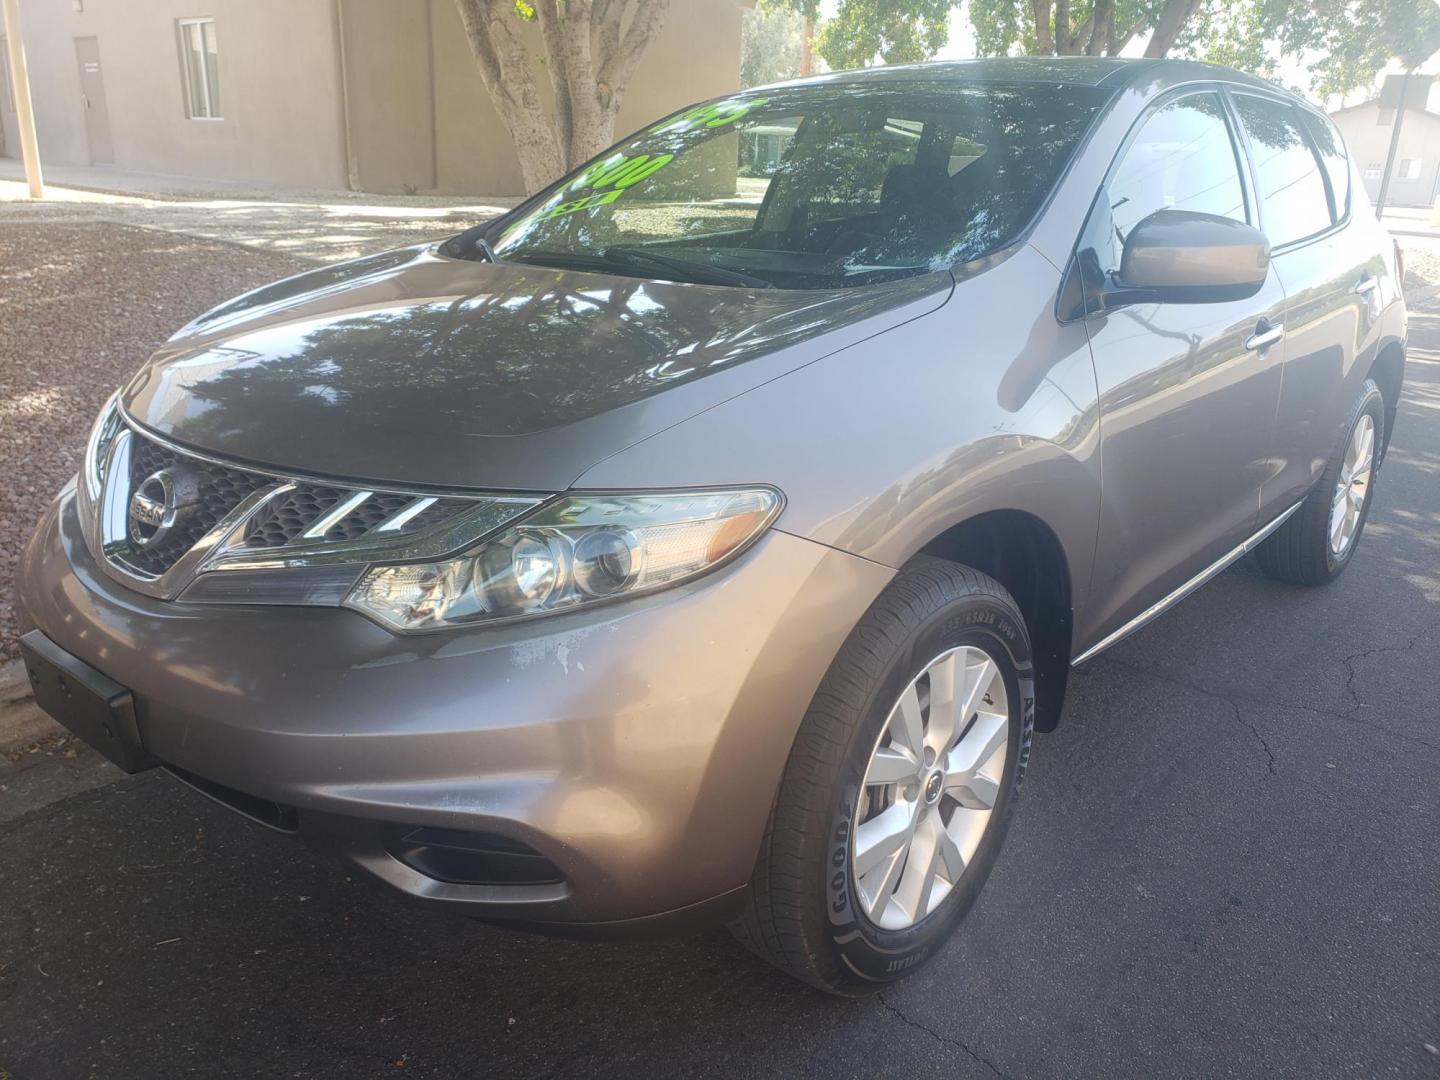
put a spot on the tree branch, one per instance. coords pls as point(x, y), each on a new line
point(1117, 45)
point(645, 24)
point(1173, 17)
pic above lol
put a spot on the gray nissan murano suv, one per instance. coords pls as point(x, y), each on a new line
point(703, 540)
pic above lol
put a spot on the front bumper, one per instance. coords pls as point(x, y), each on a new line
point(637, 747)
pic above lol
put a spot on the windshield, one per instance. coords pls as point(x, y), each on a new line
point(812, 187)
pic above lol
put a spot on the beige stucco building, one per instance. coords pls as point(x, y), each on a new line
point(374, 95)
point(1416, 180)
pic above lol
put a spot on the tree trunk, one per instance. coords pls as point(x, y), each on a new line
point(1044, 39)
point(1101, 27)
point(1062, 27)
point(1173, 17)
point(591, 50)
point(493, 33)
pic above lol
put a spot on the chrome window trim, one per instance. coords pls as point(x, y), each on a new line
point(106, 524)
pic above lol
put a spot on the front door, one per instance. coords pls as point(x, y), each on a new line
point(1187, 391)
point(92, 93)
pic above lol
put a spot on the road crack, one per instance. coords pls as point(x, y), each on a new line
point(1365, 654)
point(1233, 700)
point(899, 1014)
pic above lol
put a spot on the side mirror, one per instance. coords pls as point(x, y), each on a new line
point(1177, 256)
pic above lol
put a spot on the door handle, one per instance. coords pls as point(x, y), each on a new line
point(1265, 335)
point(1367, 284)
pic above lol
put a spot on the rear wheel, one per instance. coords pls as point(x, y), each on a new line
point(900, 786)
point(1320, 538)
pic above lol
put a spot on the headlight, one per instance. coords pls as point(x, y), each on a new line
point(579, 550)
point(97, 449)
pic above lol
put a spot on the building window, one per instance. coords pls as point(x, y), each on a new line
point(1372, 171)
point(199, 68)
point(1384, 117)
point(1409, 169)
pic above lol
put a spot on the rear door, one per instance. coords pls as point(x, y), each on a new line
point(1331, 269)
point(1188, 391)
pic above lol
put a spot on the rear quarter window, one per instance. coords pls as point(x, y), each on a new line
point(1294, 203)
point(1337, 162)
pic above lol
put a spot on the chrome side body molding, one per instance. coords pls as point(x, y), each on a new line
point(1165, 603)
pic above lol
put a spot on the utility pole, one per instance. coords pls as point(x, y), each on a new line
point(20, 85)
point(1394, 142)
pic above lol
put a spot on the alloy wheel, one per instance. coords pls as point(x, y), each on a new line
point(1353, 486)
point(930, 787)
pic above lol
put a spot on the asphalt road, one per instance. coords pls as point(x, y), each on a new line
point(1227, 862)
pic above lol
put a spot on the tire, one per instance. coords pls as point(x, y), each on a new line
point(806, 913)
point(1301, 551)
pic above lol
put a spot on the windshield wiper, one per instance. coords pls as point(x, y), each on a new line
point(700, 272)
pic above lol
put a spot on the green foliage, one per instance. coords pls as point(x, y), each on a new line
point(864, 31)
point(1346, 42)
point(897, 31)
point(771, 41)
point(1002, 27)
point(1353, 40)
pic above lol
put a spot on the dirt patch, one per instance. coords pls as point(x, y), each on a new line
point(83, 306)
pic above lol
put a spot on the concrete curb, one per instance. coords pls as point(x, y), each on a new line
point(21, 720)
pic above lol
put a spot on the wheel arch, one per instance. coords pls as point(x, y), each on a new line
point(1388, 371)
point(1023, 553)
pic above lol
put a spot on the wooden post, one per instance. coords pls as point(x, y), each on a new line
point(24, 114)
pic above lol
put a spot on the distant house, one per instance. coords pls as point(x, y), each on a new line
point(375, 95)
point(1416, 180)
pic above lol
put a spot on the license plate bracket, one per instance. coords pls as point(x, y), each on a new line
point(87, 702)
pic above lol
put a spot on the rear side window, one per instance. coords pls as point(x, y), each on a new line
point(1182, 159)
point(1337, 163)
point(1293, 202)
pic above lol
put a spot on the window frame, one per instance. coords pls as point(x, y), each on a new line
point(1071, 303)
point(182, 26)
point(1163, 101)
point(1337, 221)
point(1314, 118)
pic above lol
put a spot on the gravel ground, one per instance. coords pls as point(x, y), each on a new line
point(82, 306)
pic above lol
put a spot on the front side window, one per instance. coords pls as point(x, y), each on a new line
point(813, 187)
point(1293, 204)
point(200, 68)
point(1182, 159)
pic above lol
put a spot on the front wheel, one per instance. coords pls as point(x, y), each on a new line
point(900, 786)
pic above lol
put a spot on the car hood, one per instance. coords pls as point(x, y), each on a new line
point(411, 367)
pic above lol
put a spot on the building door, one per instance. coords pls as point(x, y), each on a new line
point(92, 93)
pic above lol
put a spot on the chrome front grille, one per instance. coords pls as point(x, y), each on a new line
point(287, 519)
point(167, 515)
point(221, 490)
